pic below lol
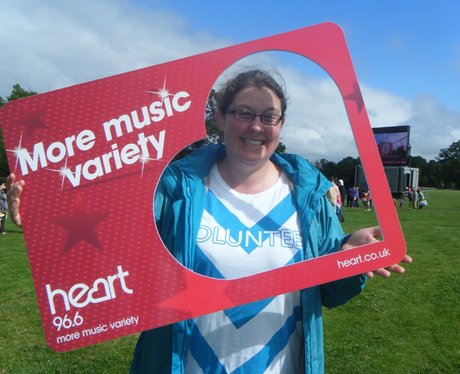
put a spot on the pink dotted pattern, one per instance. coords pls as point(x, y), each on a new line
point(75, 235)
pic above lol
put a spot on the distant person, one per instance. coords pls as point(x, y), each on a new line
point(350, 196)
point(412, 196)
point(367, 201)
point(342, 190)
point(333, 193)
point(396, 198)
point(341, 200)
point(421, 201)
point(3, 208)
point(356, 197)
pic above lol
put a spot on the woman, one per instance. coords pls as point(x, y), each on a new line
point(246, 191)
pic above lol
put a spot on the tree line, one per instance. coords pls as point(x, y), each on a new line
point(443, 172)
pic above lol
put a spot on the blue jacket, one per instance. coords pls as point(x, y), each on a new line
point(179, 203)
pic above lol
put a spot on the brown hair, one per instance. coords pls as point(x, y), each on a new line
point(251, 78)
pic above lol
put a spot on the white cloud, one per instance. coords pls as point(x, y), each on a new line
point(433, 127)
point(60, 43)
point(317, 125)
point(384, 108)
point(49, 45)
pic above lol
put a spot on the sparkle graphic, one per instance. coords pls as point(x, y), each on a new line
point(62, 171)
point(162, 92)
point(16, 152)
point(144, 159)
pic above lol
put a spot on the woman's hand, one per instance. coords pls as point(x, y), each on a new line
point(13, 194)
point(370, 235)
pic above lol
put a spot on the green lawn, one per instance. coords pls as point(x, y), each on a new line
point(406, 324)
point(409, 323)
point(22, 344)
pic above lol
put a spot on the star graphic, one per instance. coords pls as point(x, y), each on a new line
point(32, 121)
point(205, 295)
point(81, 226)
point(356, 96)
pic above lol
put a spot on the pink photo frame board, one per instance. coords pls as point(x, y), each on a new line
point(91, 156)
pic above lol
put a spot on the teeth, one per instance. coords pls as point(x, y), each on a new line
point(253, 141)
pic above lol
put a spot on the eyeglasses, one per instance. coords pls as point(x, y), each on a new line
point(270, 119)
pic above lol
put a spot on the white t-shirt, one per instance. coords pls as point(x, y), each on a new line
point(239, 235)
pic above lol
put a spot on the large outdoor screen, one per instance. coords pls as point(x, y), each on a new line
point(393, 144)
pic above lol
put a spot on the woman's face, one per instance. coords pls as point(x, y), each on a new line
point(251, 142)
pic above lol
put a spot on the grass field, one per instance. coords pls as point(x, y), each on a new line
point(409, 323)
point(406, 324)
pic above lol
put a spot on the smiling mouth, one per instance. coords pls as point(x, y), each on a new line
point(252, 141)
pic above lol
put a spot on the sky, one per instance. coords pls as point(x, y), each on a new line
point(406, 55)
